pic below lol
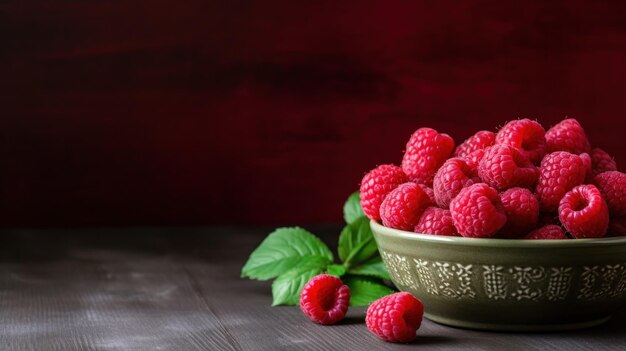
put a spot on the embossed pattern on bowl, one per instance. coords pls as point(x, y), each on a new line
point(505, 284)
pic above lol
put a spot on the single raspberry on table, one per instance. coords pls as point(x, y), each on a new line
point(396, 317)
point(436, 221)
point(617, 226)
point(526, 135)
point(568, 136)
point(376, 184)
point(324, 299)
point(425, 152)
point(454, 175)
point(584, 213)
point(403, 206)
point(602, 162)
point(504, 167)
point(612, 185)
point(477, 211)
point(429, 191)
point(522, 212)
point(478, 141)
point(550, 232)
point(559, 172)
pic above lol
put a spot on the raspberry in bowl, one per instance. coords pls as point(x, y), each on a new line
point(524, 230)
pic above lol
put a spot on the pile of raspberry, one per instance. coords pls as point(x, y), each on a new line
point(521, 182)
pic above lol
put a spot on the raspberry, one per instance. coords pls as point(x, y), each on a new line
point(403, 206)
point(584, 213)
point(478, 141)
point(436, 221)
point(425, 152)
point(453, 176)
point(504, 167)
point(428, 191)
point(477, 211)
point(559, 172)
point(612, 185)
point(587, 164)
point(396, 317)
point(526, 135)
point(602, 162)
point(324, 299)
point(550, 232)
point(569, 136)
point(617, 226)
point(474, 158)
point(522, 212)
point(376, 185)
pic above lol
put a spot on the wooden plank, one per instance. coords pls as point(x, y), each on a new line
point(101, 299)
point(145, 305)
point(179, 289)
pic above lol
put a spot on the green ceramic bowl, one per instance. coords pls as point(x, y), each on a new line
point(506, 284)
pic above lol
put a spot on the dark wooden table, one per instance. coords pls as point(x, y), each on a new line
point(179, 289)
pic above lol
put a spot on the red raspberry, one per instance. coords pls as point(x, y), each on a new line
point(602, 162)
point(526, 135)
point(425, 152)
point(584, 213)
point(522, 212)
point(436, 221)
point(612, 185)
point(617, 226)
point(478, 141)
point(396, 317)
point(474, 158)
point(568, 136)
point(587, 164)
point(376, 185)
point(504, 167)
point(403, 206)
point(477, 211)
point(454, 175)
point(559, 172)
point(428, 191)
point(324, 299)
point(550, 232)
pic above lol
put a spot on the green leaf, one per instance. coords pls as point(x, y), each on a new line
point(287, 287)
point(352, 208)
point(365, 291)
point(374, 267)
point(282, 250)
point(356, 242)
point(336, 269)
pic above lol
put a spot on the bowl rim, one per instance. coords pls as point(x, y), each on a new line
point(491, 242)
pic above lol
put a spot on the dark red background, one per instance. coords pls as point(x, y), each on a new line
point(194, 112)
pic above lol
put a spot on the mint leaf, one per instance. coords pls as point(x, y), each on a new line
point(282, 250)
point(352, 208)
point(336, 269)
point(287, 287)
point(374, 267)
point(356, 242)
point(365, 291)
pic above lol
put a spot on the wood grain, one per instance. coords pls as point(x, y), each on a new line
point(179, 289)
